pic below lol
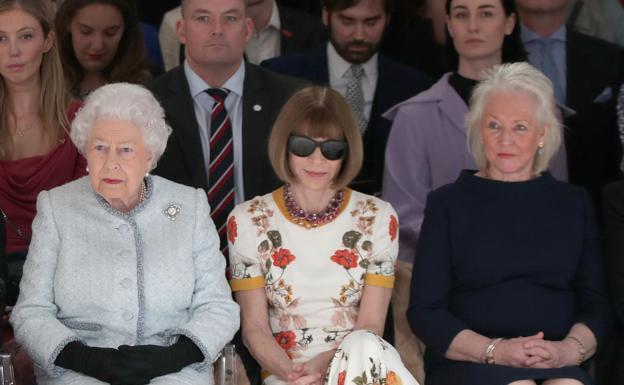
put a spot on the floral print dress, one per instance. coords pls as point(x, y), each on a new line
point(314, 277)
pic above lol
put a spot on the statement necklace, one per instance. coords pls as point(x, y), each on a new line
point(300, 217)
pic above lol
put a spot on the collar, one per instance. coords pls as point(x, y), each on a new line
point(528, 36)
point(274, 21)
point(198, 86)
point(339, 66)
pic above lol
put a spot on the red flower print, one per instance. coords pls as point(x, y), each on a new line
point(232, 229)
point(287, 33)
point(341, 377)
point(394, 227)
point(287, 339)
point(282, 258)
point(345, 258)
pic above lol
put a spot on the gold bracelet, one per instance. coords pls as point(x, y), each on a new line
point(488, 355)
point(581, 348)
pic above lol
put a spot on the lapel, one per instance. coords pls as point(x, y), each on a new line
point(382, 100)
point(181, 113)
point(288, 41)
point(317, 66)
point(256, 128)
point(451, 104)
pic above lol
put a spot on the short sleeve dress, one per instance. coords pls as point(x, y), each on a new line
point(314, 277)
point(506, 259)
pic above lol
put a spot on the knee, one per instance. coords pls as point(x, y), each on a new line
point(523, 382)
point(363, 339)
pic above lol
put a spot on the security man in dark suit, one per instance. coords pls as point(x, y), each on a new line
point(221, 110)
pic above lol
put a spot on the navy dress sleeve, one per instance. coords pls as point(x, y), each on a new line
point(428, 313)
point(593, 304)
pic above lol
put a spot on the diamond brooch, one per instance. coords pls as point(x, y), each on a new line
point(172, 211)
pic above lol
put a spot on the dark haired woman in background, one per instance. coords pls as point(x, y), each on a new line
point(100, 43)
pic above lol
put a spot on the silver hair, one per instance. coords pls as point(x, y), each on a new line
point(521, 77)
point(127, 102)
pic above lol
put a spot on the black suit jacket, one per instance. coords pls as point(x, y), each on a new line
point(395, 83)
point(613, 214)
point(300, 30)
point(264, 94)
point(592, 140)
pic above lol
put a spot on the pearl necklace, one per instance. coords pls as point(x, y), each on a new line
point(143, 193)
point(312, 220)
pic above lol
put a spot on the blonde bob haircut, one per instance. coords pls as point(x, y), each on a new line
point(316, 112)
point(515, 77)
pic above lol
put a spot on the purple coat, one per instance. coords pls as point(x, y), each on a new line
point(427, 148)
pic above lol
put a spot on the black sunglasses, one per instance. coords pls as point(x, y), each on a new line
point(303, 146)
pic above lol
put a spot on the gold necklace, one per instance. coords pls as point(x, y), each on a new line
point(20, 131)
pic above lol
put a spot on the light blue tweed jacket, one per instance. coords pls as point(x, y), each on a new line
point(107, 278)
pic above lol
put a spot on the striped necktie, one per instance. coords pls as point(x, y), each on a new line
point(221, 168)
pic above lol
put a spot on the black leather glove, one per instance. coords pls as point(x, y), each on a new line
point(155, 361)
point(104, 364)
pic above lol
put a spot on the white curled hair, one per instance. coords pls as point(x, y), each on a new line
point(126, 102)
point(519, 77)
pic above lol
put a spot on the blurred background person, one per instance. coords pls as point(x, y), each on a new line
point(508, 284)
point(136, 292)
point(410, 37)
point(4, 275)
point(429, 135)
point(620, 116)
point(315, 315)
point(586, 73)
point(100, 42)
point(35, 152)
point(613, 212)
point(598, 18)
point(351, 64)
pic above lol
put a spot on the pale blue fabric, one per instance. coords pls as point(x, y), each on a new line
point(107, 278)
point(548, 54)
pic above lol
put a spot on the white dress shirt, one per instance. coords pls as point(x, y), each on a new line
point(265, 44)
point(340, 73)
point(168, 38)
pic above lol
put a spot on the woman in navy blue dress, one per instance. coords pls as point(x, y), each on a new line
point(508, 284)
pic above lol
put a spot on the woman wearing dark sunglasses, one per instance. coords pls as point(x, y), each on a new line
point(312, 263)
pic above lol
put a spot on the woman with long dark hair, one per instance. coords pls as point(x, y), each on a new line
point(100, 43)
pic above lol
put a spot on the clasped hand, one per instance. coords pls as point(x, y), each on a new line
point(129, 365)
point(311, 372)
point(535, 352)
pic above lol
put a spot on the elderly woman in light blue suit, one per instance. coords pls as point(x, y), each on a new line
point(124, 282)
